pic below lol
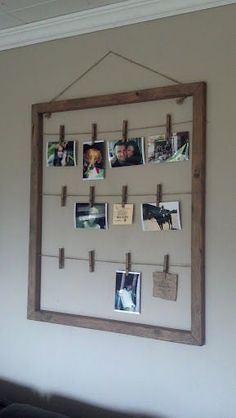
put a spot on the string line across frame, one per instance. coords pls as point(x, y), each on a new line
point(196, 335)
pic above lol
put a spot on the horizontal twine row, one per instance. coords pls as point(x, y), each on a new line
point(117, 262)
point(118, 195)
point(119, 130)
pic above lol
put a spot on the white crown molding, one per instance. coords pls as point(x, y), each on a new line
point(106, 17)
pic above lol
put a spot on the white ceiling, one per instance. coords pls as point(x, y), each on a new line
point(26, 22)
point(19, 12)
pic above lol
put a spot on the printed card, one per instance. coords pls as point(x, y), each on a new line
point(122, 215)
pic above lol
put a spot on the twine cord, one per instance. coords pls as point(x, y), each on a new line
point(116, 261)
point(77, 79)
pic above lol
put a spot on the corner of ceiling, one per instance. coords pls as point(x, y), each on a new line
point(100, 18)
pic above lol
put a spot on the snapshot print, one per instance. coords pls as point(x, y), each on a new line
point(128, 292)
point(94, 160)
point(165, 217)
point(162, 149)
point(61, 154)
point(94, 217)
point(126, 153)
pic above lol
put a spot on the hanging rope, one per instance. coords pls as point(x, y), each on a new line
point(81, 76)
point(145, 67)
point(167, 77)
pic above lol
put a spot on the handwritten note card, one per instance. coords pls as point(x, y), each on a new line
point(123, 215)
point(165, 285)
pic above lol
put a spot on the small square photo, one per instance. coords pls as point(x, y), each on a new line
point(94, 160)
point(122, 215)
point(165, 217)
point(94, 217)
point(126, 153)
point(162, 149)
point(128, 292)
point(61, 154)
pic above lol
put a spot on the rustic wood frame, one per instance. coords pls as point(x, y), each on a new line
point(196, 335)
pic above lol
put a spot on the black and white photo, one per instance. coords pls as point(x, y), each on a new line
point(128, 292)
point(164, 217)
point(87, 217)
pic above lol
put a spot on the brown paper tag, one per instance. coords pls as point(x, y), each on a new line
point(122, 215)
point(165, 285)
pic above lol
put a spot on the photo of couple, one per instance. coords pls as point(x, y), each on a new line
point(126, 153)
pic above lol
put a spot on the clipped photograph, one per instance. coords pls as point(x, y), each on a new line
point(94, 160)
point(122, 215)
point(128, 292)
point(87, 217)
point(61, 154)
point(162, 149)
point(126, 153)
point(164, 217)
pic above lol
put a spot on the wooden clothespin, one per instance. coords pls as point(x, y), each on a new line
point(91, 196)
point(159, 194)
point(124, 195)
point(94, 132)
point(62, 134)
point(166, 264)
point(61, 262)
point(63, 195)
point(127, 263)
point(125, 130)
point(168, 126)
point(91, 260)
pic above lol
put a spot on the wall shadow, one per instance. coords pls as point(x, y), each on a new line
point(11, 392)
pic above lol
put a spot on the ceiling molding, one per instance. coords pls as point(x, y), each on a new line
point(100, 18)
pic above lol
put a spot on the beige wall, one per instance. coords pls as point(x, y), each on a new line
point(112, 370)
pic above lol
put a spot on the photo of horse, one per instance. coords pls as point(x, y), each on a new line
point(164, 217)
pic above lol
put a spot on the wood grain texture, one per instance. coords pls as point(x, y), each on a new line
point(34, 283)
point(195, 336)
point(138, 96)
point(121, 327)
point(198, 214)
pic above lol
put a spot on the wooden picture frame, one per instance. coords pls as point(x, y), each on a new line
point(196, 335)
